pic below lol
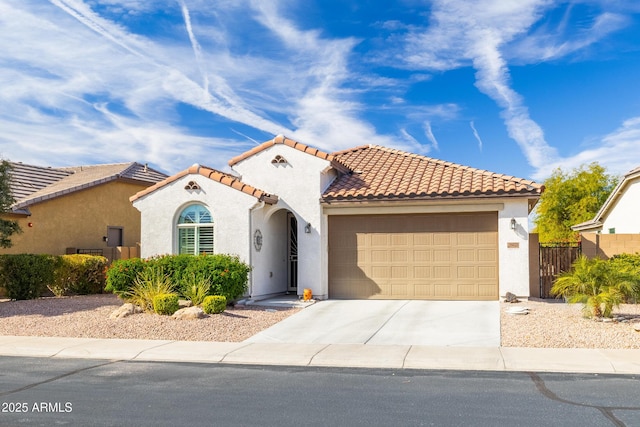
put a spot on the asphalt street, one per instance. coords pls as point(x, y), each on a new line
point(44, 392)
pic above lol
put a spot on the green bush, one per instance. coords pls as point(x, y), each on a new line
point(149, 283)
point(214, 304)
point(26, 276)
point(165, 304)
point(226, 273)
point(122, 275)
point(79, 275)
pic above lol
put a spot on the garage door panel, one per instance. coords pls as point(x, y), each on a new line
point(466, 272)
point(380, 272)
point(380, 240)
point(487, 272)
point(423, 291)
point(422, 239)
point(380, 256)
point(399, 256)
point(443, 290)
point(466, 290)
point(442, 239)
point(428, 256)
point(422, 272)
point(420, 256)
point(442, 272)
point(488, 255)
point(440, 255)
point(400, 272)
point(466, 255)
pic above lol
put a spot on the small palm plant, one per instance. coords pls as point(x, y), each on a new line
point(597, 284)
point(150, 283)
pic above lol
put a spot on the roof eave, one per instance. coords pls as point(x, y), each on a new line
point(434, 197)
point(587, 226)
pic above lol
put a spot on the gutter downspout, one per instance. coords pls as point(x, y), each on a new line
point(252, 209)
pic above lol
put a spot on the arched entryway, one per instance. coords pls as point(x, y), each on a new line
point(280, 253)
point(292, 253)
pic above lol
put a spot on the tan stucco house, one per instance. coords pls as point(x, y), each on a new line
point(367, 222)
point(82, 209)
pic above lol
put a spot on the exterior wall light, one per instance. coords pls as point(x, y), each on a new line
point(307, 228)
point(513, 223)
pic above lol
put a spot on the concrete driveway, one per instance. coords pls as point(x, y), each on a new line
point(400, 322)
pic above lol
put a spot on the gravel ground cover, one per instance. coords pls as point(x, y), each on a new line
point(560, 325)
point(88, 317)
point(547, 324)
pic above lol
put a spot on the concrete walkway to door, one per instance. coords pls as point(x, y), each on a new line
point(387, 322)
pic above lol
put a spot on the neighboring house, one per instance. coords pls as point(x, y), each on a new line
point(82, 209)
point(619, 217)
point(369, 222)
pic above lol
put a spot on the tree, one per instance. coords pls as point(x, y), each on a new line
point(569, 199)
point(7, 227)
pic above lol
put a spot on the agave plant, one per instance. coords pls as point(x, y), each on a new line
point(597, 284)
point(196, 289)
point(150, 283)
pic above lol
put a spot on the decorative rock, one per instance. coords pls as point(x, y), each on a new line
point(636, 326)
point(189, 313)
point(607, 320)
point(184, 303)
point(125, 310)
point(509, 297)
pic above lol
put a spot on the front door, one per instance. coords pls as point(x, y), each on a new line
point(114, 236)
point(292, 253)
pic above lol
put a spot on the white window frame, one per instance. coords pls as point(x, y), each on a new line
point(202, 226)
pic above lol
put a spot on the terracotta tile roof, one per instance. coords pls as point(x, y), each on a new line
point(215, 175)
point(33, 184)
point(280, 139)
point(381, 173)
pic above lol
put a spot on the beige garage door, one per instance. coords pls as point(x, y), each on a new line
point(426, 256)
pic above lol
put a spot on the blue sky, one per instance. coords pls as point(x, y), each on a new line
point(518, 87)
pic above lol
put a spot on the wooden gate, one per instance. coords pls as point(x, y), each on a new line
point(555, 258)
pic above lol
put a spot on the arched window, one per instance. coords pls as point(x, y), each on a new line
point(195, 231)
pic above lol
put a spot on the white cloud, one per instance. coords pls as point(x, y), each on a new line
point(485, 34)
point(618, 151)
point(476, 135)
point(429, 134)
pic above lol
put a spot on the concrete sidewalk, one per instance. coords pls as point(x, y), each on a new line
point(333, 355)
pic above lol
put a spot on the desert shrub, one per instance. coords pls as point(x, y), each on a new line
point(122, 275)
point(226, 273)
point(79, 275)
point(147, 285)
point(214, 304)
point(26, 276)
point(195, 289)
point(174, 266)
point(629, 264)
point(597, 284)
point(165, 303)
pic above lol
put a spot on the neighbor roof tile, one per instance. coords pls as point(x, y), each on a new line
point(33, 184)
